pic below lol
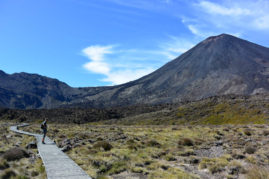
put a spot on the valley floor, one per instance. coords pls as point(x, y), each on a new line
point(182, 151)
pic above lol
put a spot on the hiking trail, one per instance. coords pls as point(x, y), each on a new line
point(57, 164)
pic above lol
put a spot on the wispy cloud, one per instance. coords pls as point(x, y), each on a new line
point(175, 46)
point(115, 70)
point(96, 54)
point(157, 5)
point(222, 15)
point(123, 76)
point(119, 65)
point(214, 8)
point(234, 17)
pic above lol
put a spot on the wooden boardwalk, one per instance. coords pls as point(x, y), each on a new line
point(57, 164)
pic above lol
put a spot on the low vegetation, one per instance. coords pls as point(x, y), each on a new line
point(223, 110)
point(165, 151)
point(16, 160)
point(224, 137)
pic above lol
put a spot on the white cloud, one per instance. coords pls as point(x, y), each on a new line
point(232, 16)
point(214, 8)
point(96, 52)
point(97, 67)
point(124, 66)
point(199, 32)
point(193, 30)
point(120, 65)
point(123, 76)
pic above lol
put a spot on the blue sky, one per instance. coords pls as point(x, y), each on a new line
point(109, 42)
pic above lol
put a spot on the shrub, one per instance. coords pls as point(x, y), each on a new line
point(153, 143)
point(250, 149)
point(42, 168)
point(174, 128)
point(15, 153)
point(247, 132)
point(213, 164)
point(137, 170)
point(235, 168)
point(118, 167)
point(83, 135)
point(3, 164)
point(7, 174)
point(186, 142)
point(132, 147)
point(170, 157)
point(165, 167)
point(238, 156)
point(103, 144)
point(34, 173)
point(251, 159)
point(216, 168)
point(104, 168)
point(266, 132)
point(130, 142)
point(256, 172)
point(187, 153)
point(199, 141)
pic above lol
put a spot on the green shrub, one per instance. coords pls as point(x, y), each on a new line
point(118, 167)
point(214, 164)
point(170, 157)
point(103, 144)
point(137, 170)
point(153, 143)
point(34, 173)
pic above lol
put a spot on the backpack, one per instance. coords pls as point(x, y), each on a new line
point(42, 126)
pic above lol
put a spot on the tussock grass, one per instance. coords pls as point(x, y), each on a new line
point(161, 151)
point(256, 172)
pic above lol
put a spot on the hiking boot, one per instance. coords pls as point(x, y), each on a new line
point(43, 142)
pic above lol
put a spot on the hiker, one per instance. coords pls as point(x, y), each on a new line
point(44, 128)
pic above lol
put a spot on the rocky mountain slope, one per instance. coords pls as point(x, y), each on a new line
point(23, 90)
point(219, 65)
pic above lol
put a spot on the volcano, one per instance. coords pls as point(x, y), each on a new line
point(219, 65)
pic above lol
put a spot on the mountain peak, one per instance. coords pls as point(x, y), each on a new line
point(220, 37)
point(2, 73)
point(223, 35)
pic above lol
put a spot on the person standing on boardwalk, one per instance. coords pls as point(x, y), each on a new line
point(44, 127)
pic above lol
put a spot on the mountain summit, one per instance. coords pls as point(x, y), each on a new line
point(219, 65)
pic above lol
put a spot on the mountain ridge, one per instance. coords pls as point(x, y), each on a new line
point(219, 65)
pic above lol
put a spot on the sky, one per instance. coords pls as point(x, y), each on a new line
point(87, 43)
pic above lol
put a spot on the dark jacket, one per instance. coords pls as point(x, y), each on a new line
point(45, 127)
